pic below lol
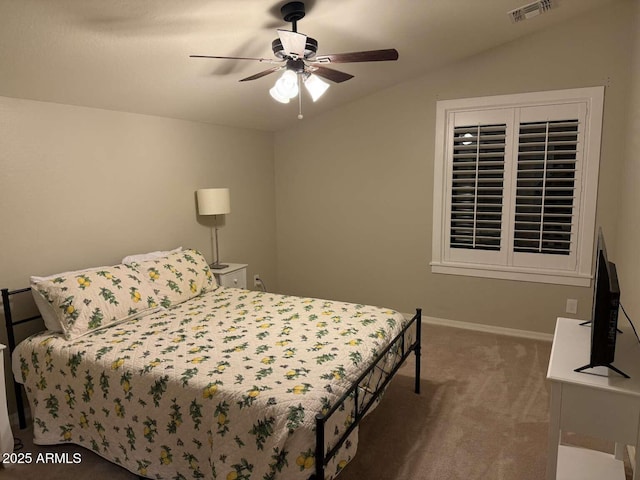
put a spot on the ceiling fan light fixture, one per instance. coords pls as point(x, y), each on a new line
point(276, 96)
point(286, 87)
point(295, 55)
point(315, 86)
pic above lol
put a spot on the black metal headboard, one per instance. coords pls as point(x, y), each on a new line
point(10, 324)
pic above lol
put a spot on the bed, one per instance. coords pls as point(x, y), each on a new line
point(188, 379)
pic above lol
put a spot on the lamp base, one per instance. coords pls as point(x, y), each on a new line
point(217, 266)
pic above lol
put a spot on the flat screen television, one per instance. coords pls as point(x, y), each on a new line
point(604, 313)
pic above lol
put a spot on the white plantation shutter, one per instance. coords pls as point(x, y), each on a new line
point(517, 198)
point(478, 145)
point(477, 186)
point(545, 195)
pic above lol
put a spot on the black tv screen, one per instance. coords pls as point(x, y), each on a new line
point(604, 313)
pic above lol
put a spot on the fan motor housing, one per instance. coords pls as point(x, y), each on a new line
point(292, 11)
point(296, 66)
point(310, 48)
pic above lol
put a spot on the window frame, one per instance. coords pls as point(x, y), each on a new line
point(593, 100)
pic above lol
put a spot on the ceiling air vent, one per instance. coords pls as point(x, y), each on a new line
point(531, 10)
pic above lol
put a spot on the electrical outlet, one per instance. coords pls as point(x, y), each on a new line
point(256, 281)
point(572, 305)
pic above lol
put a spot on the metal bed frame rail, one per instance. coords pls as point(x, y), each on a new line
point(11, 340)
point(362, 397)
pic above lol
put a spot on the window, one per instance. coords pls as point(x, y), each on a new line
point(515, 185)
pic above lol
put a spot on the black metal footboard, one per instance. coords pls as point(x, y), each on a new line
point(361, 396)
point(10, 324)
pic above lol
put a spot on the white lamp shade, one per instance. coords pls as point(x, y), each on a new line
point(276, 96)
point(315, 86)
point(286, 87)
point(213, 201)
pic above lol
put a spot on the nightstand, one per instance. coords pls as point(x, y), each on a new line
point(235, 275)
point(6, 436)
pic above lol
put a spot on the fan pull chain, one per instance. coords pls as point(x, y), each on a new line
point(300, 116)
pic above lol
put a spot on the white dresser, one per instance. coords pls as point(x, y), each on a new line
point(599, 403)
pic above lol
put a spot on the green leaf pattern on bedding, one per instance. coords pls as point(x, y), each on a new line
point(177, 277)
point(93, 299)
point(223, 386)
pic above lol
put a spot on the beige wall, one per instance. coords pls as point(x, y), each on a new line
point(82, 187)
point(627, 251)
point(354, 187)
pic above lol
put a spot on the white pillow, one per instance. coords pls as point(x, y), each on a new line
point(177, 277)
point(46, 310)
point(143, 257)
point(86, 300)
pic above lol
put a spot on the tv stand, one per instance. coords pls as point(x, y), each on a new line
point(608, 365)
point(603, 405)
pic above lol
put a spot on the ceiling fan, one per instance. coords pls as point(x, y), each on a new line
point(295, 53)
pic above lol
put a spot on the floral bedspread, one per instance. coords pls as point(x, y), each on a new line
point(223, 386)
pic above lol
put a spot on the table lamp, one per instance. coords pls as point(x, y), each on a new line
point(214, 201)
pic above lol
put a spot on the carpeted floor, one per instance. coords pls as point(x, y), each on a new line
point(483, 414)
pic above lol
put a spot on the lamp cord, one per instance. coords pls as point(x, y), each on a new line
point(17, 444)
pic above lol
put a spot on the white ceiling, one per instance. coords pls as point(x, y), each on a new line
point(133, 55)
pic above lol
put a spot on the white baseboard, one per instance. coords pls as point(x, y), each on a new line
point(479, 327)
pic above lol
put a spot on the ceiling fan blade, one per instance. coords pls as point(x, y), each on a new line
point(293, 43)
point(264, 60)
point(329, 73)
point(262, 74)
point(366, 56)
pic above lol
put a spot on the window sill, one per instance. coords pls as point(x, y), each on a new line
point(522, 275)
